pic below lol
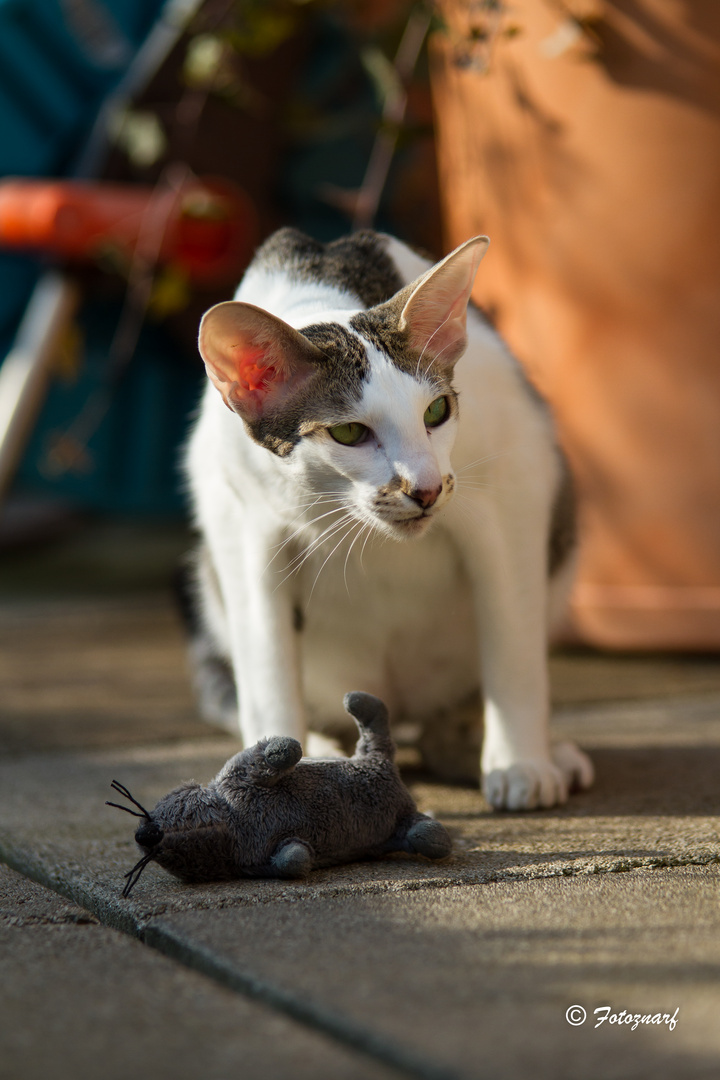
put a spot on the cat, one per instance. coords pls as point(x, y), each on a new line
point(382, 504)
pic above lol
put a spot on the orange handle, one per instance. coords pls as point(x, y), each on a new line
point(208, 228)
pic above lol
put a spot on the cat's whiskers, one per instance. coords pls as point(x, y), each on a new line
point(465, 485)
point(370, 534)
point(491, 483)
point(317, 542)
point(312, 548)
point(339, 543)
point(320, 496)
point(479, 479)
point(321, 500)
point(318, 499)
point(469, 508)
point(298, 531)
point(302, 556)
point(363, 527)
point(304, 509)
point(515, 448)
point(307, 525)
point(481, 461)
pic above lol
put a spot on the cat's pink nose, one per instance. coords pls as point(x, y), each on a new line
point(426, 497)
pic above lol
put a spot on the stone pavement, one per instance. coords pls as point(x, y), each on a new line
point(464, 969)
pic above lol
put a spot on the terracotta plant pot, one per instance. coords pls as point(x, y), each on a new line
point(588, 149)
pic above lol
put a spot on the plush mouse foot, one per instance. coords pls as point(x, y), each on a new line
point(282, 752)
point(428, 838)
point(293, 860)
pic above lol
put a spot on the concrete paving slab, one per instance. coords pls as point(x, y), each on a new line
point(479, 978)
point(79, 1001)
point(583, 676)
point(457, 969)
point(682, 720)
point(644, 811)
point(102, 673)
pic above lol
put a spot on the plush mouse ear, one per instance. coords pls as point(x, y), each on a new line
point(254, 359)
point(435, 315)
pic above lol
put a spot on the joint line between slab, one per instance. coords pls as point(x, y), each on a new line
point(162, 938)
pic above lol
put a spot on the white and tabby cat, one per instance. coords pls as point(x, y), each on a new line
point(374, 517)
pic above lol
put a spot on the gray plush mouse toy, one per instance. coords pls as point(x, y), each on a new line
point(270, 814)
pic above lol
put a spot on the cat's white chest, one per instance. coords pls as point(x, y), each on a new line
point(397, 623)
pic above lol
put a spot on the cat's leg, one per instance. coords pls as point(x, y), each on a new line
point(259, 607)
point(507, 561)
point(573, 762)
point(208, 649)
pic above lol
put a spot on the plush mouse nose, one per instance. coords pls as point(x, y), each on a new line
point(148, 835)
point(425, 497)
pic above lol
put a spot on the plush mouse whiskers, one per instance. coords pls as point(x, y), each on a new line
point(122, 790)
point(133, 876)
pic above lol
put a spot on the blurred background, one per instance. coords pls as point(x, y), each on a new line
point(148, 147)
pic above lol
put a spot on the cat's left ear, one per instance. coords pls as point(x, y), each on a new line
point(435, 314)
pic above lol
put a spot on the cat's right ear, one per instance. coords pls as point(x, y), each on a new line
point(253, 358)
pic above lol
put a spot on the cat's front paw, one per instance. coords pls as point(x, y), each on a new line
point(525, 785)
point(538, 782)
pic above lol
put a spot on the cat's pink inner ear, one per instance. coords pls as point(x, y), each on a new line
point(436, 313)
point(251, 356)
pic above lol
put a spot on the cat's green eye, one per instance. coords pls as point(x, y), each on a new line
point(349, 434)
point(436, 412)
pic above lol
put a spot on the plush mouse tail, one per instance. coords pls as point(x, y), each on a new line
point(370, 712)
point(371, 716)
